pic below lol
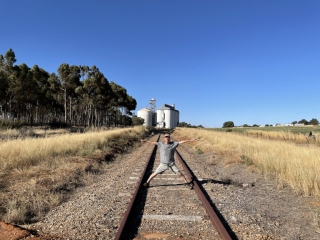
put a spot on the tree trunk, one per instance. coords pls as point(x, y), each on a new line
point(65, 105)
point(70, 117)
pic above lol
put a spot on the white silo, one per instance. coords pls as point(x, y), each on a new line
point(167, 116)
point(146, 114)
point(160, 118)
point(177, 118)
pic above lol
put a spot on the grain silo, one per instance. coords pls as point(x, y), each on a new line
point(148, 114)
point(167, 116)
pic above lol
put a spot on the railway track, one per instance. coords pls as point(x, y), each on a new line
point(167, 208)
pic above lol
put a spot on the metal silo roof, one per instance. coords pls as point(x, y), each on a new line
point(166, 107)
point(145, 109)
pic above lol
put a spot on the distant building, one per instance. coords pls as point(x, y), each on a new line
point(165, 117)
point(283, 125)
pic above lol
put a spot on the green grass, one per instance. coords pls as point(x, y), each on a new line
point(291, 129)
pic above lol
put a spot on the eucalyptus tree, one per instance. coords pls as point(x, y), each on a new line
point(119, 100)
point(95, 94)
point(69, 80)
point(6, 70)
point(56, 97)
point(2, 63)
point(130, 104)
point(102, 95)
point(19, 89)
point(79, 106)
point(26, 92)
point(118, 95)
point(3, 91)
point(123, 102)
point(7, 61)
point(76, 93)
point(43, 103)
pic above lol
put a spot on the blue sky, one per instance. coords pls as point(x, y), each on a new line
point(250, 61)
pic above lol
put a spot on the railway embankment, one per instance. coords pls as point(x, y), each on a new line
point(251, 205)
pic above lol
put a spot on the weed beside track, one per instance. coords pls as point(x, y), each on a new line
point(37, 174)
point(289, 162)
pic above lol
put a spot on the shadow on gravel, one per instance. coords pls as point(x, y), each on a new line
point(227, 182)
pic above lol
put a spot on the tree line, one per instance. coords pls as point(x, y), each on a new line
point(313, 121)
point(75, 95)
point(188, 125)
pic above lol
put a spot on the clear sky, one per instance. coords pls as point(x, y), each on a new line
point(249, 61)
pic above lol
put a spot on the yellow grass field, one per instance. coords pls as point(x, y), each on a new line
point(38, 170)
point(289, 162)
point(22, 153)
point(43, 163)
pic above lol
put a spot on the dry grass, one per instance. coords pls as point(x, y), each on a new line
point(26, 152)
point(37, 174)
point(287, 136)
point(294, 164)
point(25, 132)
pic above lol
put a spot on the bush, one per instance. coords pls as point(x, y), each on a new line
point(136, 121)
point(188, 125)
point(59, 125)
point(246, 160)
point(228, 124)
point(314, 121)
point(9, 124)
point(305, 122)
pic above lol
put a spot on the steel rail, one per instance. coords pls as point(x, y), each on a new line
point(129, 209)
point(210, 211)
